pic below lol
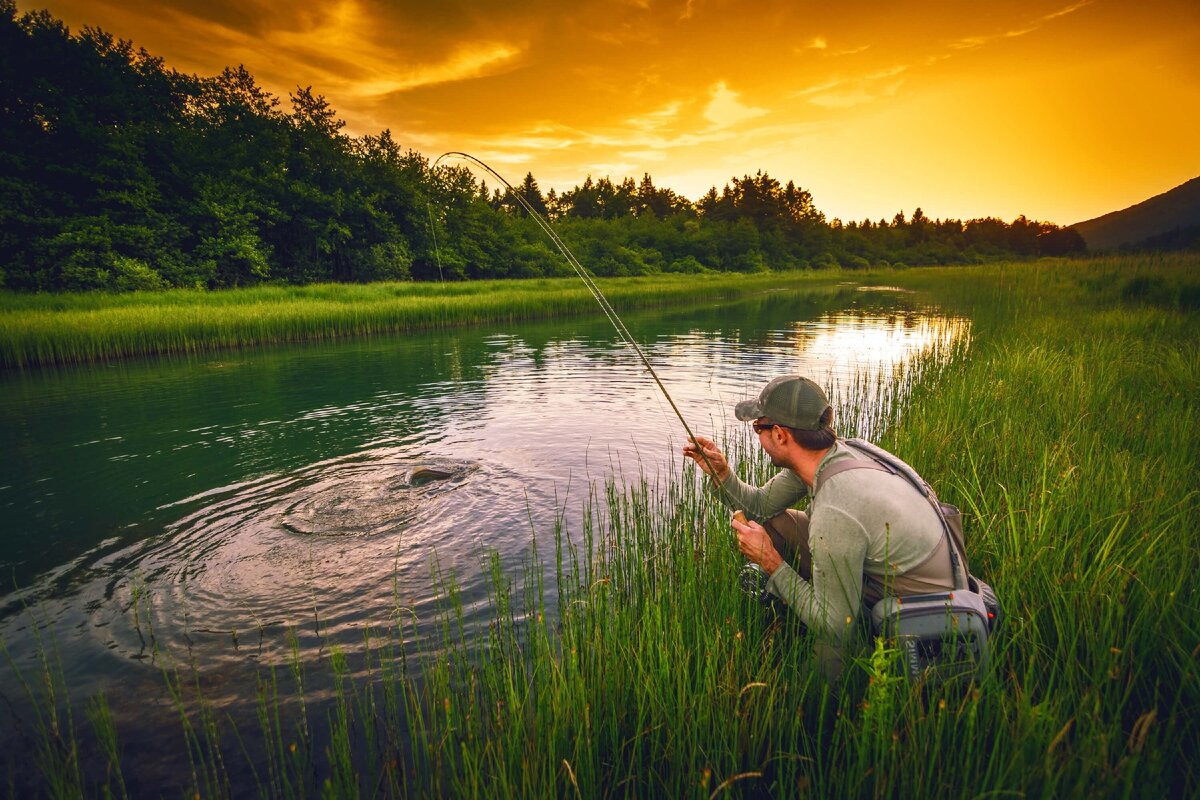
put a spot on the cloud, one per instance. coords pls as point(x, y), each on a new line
point(656, 120)
point(466, 62)
point(884, 74)
point(646, 155)
point(615, 168)
point(560, 137)
point(852, 51)
point(725, 110)
point(972, 42)
point(625, 149)
point(848, 92)
point(820, 87)
point(1064, 11)
point(345, 44)
point(502, 157)
point(821, 44)
point(846, 99)
point(345, 49)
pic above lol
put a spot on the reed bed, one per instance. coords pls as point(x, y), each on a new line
point(631, 665)
point(46, 329)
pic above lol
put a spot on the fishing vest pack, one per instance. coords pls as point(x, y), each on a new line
point(944, 634)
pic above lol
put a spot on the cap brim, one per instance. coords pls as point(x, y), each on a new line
point(748, 410)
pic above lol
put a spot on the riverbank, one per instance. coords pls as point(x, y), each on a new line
point(47, 329)
point(1069, 435)
point(1068, 432)
point(69, 328)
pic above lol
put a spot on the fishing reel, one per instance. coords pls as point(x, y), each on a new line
point(752, 580)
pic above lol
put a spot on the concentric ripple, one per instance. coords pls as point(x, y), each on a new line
point(368, 501)
point(383, 469)
point(318, 554)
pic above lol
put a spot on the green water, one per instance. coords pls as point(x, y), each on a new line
point(194, 505)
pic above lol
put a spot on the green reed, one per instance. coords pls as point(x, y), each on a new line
point(44, 329)
point(1067, 432)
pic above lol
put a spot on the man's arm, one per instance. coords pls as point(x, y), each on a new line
point(763, 502)
point(828, 604)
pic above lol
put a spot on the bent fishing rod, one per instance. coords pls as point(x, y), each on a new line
point(609, 311)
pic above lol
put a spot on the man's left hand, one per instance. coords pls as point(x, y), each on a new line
point(756, 545)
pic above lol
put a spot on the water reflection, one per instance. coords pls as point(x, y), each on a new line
point(235, 499)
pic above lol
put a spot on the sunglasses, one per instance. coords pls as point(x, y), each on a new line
point(759, 427)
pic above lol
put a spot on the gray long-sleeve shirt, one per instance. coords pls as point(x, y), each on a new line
point(861, 521)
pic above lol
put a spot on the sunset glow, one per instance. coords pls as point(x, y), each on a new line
point(1061, 110)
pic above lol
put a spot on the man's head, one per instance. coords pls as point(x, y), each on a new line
point(797, 404)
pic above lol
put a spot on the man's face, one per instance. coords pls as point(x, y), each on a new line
point(766, 439)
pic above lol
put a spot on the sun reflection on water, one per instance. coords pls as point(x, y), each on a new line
point(292, 510)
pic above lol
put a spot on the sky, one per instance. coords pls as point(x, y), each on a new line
point(1061, 110)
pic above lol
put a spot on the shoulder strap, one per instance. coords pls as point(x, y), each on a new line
point(882, 460)
point(839, 467)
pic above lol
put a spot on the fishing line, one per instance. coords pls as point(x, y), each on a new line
point(436, 251)
point(586, 277)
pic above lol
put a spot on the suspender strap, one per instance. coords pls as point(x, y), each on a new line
point(958, 555)
point(839, 467)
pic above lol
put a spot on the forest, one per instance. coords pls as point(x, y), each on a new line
point(120, 173)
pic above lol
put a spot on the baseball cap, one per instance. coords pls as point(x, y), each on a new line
point(788, 400)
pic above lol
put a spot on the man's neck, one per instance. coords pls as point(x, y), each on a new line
point(805, 462)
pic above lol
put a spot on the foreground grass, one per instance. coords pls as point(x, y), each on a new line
point(45, 329)
point(1069, 434)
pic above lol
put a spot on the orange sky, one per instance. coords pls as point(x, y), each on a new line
point(1061, 110)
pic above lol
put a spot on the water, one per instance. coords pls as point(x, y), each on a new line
point(211, 507)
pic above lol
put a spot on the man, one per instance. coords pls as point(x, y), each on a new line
point(866, 532)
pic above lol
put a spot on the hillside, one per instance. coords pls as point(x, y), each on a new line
point(1174, 210)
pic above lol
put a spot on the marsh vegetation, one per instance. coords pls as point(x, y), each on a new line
point(47, 328)
point(624, 661)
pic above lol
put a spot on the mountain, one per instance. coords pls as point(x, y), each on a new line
point(1161, 215)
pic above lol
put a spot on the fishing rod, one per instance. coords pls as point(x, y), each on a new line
point(753, 579)
point(586, 277)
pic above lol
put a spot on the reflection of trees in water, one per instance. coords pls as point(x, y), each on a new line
point(316, 519)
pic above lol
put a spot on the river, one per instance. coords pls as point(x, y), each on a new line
point(228, 511)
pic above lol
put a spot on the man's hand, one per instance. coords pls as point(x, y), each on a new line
point(716, 466)
point(756, 545)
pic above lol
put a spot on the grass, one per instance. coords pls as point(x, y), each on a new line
point(45, 329)
point(1067, 432)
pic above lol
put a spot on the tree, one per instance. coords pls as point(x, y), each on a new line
point(533, 194)
point(918, 227)
point(658, 203)
point(582, 202)
point(117, 172)
point(800, 206)
point(1056, 241)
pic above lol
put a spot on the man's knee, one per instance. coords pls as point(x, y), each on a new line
point(789, 533)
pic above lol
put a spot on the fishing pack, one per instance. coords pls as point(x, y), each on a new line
point(943, 634)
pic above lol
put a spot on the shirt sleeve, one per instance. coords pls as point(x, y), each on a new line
point(763, 502)
point(829, 603)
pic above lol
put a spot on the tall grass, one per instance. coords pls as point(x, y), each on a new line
point(43, 329)
point(1068, 432)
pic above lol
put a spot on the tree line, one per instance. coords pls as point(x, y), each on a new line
point(120, 173)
